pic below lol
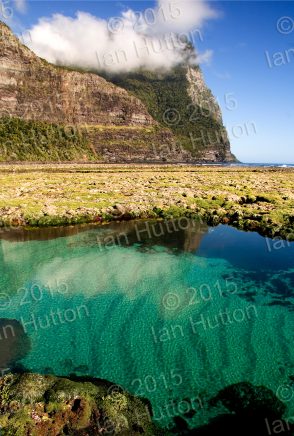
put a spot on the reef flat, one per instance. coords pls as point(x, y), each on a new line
point(249, 198)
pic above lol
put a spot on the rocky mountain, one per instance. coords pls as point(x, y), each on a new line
point(180, 100)
point(51, 113)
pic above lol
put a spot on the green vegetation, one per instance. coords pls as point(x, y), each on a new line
point(23, 140)
point(32, 404)
point(51, 195)
point(167, 100)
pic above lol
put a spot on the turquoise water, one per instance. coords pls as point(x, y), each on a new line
point(174, 313)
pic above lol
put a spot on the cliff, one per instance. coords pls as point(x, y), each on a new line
point(215, 139)
point(31, 88)
point(180, 100)
point(108, 122)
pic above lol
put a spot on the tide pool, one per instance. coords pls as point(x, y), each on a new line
point(173, 316)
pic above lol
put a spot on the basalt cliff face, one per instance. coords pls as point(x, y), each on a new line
point(109, 123)
point(31, 88)
point(180, 100)
point(214, 138)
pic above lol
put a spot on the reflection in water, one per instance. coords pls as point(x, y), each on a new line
point(175, 235)
point(14, 344)
point(180, 233)
point(20, 234)
point(173, 315)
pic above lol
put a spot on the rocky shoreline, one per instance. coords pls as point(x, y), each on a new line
point(47, 405)
point(253, 199)
point(34, 404)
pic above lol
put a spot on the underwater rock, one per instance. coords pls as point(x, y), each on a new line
point(14, 343)
point(249, 400)
point(253, 410)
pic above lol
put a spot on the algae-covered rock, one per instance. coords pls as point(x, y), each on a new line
point(32, 404)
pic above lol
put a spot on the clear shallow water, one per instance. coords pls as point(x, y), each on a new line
point(279, 165)
point(173, 313)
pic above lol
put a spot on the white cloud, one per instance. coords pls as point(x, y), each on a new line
point(183, 15)
point(123, 43)
point(20, 5)
point(205, 57)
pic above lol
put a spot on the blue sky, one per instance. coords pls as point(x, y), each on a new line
point(251, 70)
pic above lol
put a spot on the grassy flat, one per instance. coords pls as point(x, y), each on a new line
point(259, 199)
